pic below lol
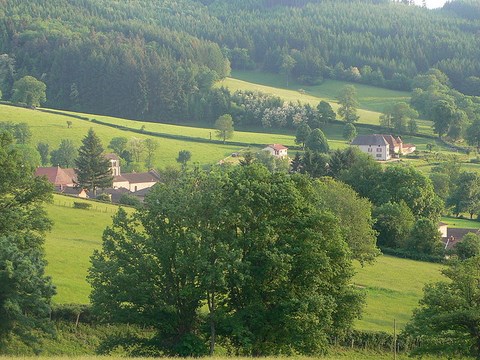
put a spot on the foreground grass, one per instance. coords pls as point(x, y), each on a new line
point(394, 286)
point(75, 235)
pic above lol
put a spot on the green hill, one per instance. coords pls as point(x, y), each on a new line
point(372, 100)
point(393, 285)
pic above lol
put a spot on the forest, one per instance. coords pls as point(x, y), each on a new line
point(158, 60)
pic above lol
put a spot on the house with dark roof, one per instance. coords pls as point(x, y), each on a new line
point(382, 147)
point(374, 145)
point(277, 150)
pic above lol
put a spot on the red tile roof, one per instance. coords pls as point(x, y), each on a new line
point(277, 147)
point(56, 175)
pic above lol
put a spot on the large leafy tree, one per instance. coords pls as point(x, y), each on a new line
point(273, 269)
point(30, 91)
point(317, 141)
point(224, 126)
point(325, 114)
point(348, 102)
point(93, 168)
point(465, 196)
point(303, 131)
point(448, 320)
point(65, 155)
point(25, 291)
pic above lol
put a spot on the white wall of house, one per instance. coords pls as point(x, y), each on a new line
point(378, 152)
point(140, 186)
point(443, 230)
point(279, 154)
point(121, 184)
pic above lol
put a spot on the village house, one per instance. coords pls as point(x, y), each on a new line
point(277, 150)
point(65, 182)
point(382, 147)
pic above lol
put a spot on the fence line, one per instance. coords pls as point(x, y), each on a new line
point(96, 207)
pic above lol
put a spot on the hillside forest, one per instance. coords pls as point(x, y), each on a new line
point(158, 60)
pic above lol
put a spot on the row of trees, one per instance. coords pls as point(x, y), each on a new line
point(406, 206)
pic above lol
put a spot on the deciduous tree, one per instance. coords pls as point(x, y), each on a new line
point(447, 319)
point(30, 91)
point(65, 155)
point(25, 291)
point(348, 102)
point(317, 141)
point(303, 131)
point(224, 126)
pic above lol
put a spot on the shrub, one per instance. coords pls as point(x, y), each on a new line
point(82, 205)
point(104, 197)
point(131, 200)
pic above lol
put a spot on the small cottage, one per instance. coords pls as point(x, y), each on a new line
point(277, 150)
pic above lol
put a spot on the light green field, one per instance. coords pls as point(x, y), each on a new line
point(51, 128)
point(393, 285)
point(454, 222)
point(372, 100)
point(75, 234)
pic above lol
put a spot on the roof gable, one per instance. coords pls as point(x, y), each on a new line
point(373, 140)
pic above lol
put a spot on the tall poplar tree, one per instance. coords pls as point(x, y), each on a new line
point(93, 168)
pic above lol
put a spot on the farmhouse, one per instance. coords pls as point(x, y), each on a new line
point(277, 150)
point(65, 180)
point(58, 177)
point(382, 147)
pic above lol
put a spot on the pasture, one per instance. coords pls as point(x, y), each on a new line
point(52, 128)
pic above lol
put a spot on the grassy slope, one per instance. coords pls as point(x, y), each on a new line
point(372, 100)
point(454, 222)
point(52, 129)
point(393, 285)
point(76, 233)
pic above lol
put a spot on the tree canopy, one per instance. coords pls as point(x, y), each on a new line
point(227, 239)
point(447, 319)
point(25, 290)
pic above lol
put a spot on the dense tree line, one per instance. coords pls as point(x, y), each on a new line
point(158, 59)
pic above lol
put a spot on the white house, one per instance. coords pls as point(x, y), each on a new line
point(375, 145)
point(382, 147)
point(277, 150)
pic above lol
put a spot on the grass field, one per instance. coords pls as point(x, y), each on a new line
point(393, 285)
point(372, 100)
point(52, 129)
point(75, 234)
point(454, 222)
point(393, 288)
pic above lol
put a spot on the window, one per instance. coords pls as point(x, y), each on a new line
point(369, 149)
point(379, 155)
point(379, 149)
